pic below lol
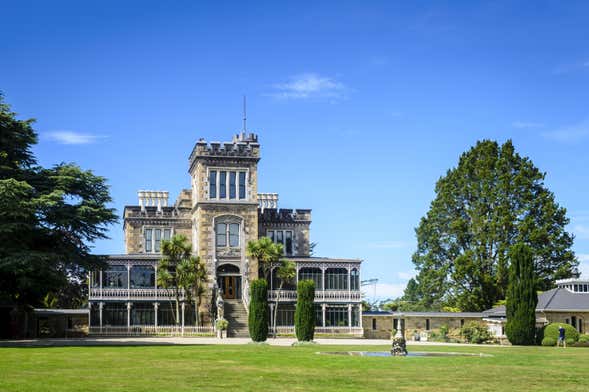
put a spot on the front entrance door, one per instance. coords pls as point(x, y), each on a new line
point(229, 287)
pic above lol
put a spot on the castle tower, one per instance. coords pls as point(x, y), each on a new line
point(225, 210)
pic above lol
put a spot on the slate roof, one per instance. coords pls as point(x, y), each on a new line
point(440, 314)
point(555, 300)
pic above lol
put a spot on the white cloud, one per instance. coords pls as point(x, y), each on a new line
point(383, 291)
point(526, 124)
point(388, 245)
point(309, 85)
point(69, 137)
point(569, 134)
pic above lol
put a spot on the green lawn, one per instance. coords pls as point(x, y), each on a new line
point(256, 368)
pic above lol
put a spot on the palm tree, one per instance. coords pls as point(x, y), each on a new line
point(266, 252)
point(286, 272)
point(192, 277)
point(174, 252)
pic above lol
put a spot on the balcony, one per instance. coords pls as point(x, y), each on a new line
point(334, 296)
point(133, 294)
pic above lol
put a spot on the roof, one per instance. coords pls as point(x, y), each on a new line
point(55, 312)
point(440, 314)
point(555, 300)
point(560, 299)
point(322, 260)
point(377, 313)
point(425, 314)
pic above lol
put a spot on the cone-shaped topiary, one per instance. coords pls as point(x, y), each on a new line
point(305, 311)
point(258, 310)
point(521, 297)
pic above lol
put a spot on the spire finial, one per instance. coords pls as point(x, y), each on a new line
point(244, 115)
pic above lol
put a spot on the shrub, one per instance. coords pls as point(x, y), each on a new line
point(475, 332)
point(305, 311)
point(258, 312)
point(584, 339)
point(221, 324)
point(570, 341)
point(548, 341)
point(551, 330)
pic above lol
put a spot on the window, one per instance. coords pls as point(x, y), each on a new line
point(223, 185)
point(221, 234)
point(336, 279)
point(147, 234)
point(336, 316)
point(142, 276)
point(114, 314)
point(374, 324)
point(288, 242)
point(227, 234)
point(213, 184)
point(427, 325)
point(115, 277)
point(232, 185)
point(461, 323)
point(284, 237)
point(142, 314)
point(242, 185)
point(314, 274)
point(354, 279)
point(233, 234)
point(158, 240)
point(167, 233)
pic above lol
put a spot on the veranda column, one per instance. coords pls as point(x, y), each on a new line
point(349, 285)
point(155, 306)
point(155, 281)
point(100, 306)
point(272, 318)
point(100, 284)
point(128, 316)
point(183, 306)
point(128, 281)
point(323, 306)
point(350, 316)
point(323, 284)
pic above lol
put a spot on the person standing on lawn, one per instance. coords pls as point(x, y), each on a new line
point(561, 337)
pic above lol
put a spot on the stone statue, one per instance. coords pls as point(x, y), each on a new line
point(220, 305)
point(398, 347)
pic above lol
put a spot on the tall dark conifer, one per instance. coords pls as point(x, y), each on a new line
point(521, 297)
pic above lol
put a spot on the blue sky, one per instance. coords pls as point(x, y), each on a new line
point(360, 106)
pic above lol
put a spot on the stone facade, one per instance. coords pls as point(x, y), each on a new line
point(219, 215)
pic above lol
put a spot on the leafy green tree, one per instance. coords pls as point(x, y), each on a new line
point(192, 278)
point(286, 273)
point(521, 297)
point(49, 217)
point(305, 311)
point(174, 268)
point(492, 200)
point(265, 252)
point(258, 310)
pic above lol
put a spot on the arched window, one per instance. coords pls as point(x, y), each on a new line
point(227, 269)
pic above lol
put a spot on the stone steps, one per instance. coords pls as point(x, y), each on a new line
point(236, 315)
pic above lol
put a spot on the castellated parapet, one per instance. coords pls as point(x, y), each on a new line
point(244, 146)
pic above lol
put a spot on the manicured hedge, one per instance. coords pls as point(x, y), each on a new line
point(258, 312)
point(549, 342)
point(305, 311)
point(551, 331)
point(584, 338)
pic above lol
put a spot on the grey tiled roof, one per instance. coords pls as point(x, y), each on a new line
point(554, 300)
point(440, 314)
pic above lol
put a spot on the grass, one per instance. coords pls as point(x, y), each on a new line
point(257, 367)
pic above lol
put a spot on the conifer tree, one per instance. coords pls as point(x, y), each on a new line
point(305, 311)
point(258, 310)
point(521, 297)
